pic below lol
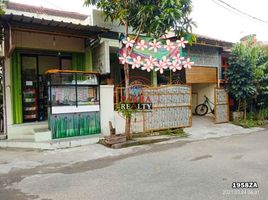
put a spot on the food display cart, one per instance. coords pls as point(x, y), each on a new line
point(73, 103)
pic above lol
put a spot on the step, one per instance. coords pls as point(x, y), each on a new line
point(42, 134)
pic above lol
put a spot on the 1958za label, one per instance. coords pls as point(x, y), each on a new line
point(244, 185)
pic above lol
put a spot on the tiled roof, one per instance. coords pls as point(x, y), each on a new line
point(42, 10)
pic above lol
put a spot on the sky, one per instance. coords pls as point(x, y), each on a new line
point(212, 19)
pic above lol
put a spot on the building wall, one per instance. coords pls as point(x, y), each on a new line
point(207, 56)
point(49, 42)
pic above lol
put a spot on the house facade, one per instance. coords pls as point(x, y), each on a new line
point(39, 39)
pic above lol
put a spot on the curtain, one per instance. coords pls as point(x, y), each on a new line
point(16, 88)
point(78, 61)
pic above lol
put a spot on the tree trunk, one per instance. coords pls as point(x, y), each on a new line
point(245, 109)
point(128, 117)
point(126, 71)
point(239, 104)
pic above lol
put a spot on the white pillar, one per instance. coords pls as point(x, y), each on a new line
point(106, 107)
point(8, 91)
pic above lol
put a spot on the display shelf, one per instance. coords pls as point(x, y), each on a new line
point(74, 103)
point(30, 104)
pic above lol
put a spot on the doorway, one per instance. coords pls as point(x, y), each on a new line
point(34, 84)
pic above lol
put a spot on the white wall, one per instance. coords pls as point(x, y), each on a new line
point(106, 107)
point(136, 123)
point(48, 42)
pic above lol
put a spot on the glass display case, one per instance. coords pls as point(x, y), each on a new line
point(74, 103)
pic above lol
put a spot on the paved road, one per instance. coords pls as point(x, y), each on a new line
point(200, 170)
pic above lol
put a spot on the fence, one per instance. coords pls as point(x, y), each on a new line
point(171, 106)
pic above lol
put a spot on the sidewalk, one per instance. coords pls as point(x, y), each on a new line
point(203, 127)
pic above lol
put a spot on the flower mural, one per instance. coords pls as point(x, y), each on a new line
point(124, 59)
point(187, 64)
point(182, 42)
point(147, 54)
point(175, 66)
point(169, 45)
point(162, 64)
point(149, 64)
point(154, 45)
point(129, 42)
point(141, 45)
point(136, 63)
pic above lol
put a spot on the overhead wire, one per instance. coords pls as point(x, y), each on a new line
point(237, 11)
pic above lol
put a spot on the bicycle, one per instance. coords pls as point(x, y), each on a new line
point(202, 109)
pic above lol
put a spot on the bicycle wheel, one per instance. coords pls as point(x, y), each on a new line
point(201, 109)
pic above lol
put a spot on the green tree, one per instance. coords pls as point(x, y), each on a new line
point(2, 2)
point(240, 74)
point(260, 58)
point(151, 17)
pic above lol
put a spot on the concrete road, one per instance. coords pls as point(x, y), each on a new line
point(185, 170)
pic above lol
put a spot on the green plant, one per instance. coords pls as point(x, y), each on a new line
point(125, 112)
point(249, 123)
point(173, 132)
point(262, 114)
point(240, 74)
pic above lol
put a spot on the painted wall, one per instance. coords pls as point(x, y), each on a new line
point(48, 42)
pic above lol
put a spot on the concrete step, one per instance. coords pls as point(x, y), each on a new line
point(25, 130)
point(42, 134)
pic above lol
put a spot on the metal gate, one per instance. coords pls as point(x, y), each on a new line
point(221, 105)
point(171, 107)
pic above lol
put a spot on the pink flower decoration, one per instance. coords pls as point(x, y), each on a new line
point(136, 62)
point(129, 42)
point(161, 66)
point(187, 63)
point(169, 45)
point(141, 45)
point(178, 58)
point(175, 66)
point(182, 42)
point(124, 59)
point(149, 64)
point(166, 60)
point(155, 45)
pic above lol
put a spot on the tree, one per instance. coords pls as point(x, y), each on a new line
point(260, 60)
point(2, 2)
point(240, 74)
point(151, 17)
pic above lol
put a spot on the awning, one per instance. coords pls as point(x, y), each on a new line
point(26, 23)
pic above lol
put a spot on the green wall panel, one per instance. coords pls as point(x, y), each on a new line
point(16, 98)
point(77, 124)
